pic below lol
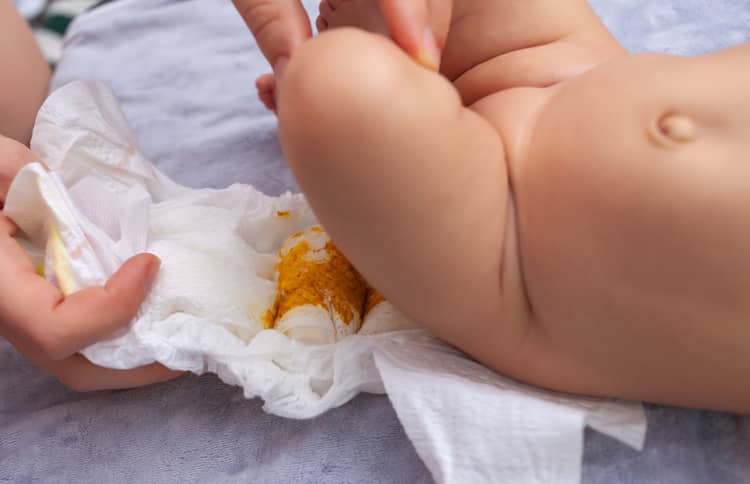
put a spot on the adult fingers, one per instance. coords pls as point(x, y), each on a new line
point(91, 314)
point(45, 321)
point(79, 374)
point(7, 227)
point(279, 27)
point(13, 155)
point(420, 27)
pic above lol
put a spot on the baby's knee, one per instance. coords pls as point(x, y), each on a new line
point(343, 73)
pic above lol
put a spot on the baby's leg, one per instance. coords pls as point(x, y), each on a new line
point(499, 44)
point(410, 184)
point(25, 75)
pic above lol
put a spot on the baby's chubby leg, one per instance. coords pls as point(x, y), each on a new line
point(410, 184)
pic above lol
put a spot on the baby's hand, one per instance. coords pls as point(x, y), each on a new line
point(50, 329)
point(266, 86)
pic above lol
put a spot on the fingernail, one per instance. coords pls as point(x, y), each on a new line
point(152, 270)
point(280, 66)
point(429, 53)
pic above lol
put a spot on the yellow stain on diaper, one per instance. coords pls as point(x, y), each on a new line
point(374, 298)
point(283, 213)
point(317, 276)
point(269, 317)
point(60, 267)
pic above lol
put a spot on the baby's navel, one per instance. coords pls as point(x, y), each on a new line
point(677, 127)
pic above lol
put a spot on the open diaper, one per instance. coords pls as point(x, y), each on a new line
point(234, 298)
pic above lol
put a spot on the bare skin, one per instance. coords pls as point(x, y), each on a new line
point(23, 86)
point(566, 213)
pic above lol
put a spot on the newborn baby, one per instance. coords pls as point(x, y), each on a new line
point(566, 213)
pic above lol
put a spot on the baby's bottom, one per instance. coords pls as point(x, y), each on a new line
point(25, 75)
point(409, 183)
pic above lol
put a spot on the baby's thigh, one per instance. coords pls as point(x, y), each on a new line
point(410, 184)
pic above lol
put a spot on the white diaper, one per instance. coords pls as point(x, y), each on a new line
point(98, 202)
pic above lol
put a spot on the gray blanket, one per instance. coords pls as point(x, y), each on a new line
point(184, 73)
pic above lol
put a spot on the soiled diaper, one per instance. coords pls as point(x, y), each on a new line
point(320, 295)
point(315, 295)
point(321, 298)
point(246, 278)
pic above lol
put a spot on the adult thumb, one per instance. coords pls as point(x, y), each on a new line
point(131, 283)
point(87, 316)
point(279, 26)
point(420, 27)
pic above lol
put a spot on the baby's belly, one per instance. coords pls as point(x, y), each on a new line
point(633, 256)
point(608, 322)
point(630, 297)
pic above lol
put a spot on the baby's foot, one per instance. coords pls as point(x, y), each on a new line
point(266, 86)
point(364, 14)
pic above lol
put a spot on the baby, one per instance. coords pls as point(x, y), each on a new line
point(569, 215)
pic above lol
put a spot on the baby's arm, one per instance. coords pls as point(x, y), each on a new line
point(23, 85)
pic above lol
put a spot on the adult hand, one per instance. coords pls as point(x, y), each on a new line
point(48, 328)
point(419, 27)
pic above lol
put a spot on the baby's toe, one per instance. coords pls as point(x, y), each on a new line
point(266, 85)
point(325, 9)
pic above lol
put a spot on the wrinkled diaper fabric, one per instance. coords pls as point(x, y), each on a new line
point(95, 201)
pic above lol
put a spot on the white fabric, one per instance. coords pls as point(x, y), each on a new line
point(218, 249)
point(30, 8)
